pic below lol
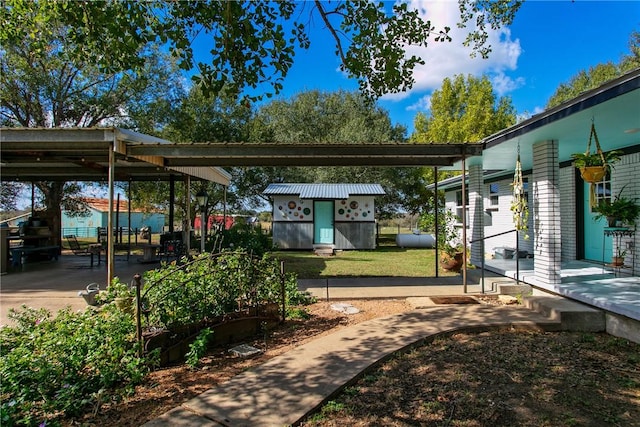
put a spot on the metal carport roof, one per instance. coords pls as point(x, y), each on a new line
point(323, 191)
point(113, 154)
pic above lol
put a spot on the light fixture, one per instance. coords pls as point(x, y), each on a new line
point(202, 198)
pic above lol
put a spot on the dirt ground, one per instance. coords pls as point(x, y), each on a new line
point(167, 388)
point(495, 378)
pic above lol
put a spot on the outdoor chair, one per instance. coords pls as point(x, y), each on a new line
point(77, 249)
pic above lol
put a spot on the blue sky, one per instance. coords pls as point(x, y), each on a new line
point(548, 43)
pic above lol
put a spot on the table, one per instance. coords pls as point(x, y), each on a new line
point(95, 249)
point(150, 253)
point(618, 233)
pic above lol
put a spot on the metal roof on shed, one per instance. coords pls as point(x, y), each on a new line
point(324, 191)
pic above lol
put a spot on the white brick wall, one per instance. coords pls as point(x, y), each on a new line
point(476, 212)
point(568, 213)
point(502, 218)
point(546, 209)
point(627, 171)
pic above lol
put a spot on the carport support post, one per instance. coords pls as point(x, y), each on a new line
point(186, 229)
point(437, 205)
point(464, 222)
point(112, 169)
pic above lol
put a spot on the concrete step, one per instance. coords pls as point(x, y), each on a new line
point(573, 316)
point(324, 250)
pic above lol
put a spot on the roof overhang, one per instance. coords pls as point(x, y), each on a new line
point(308, 154)
point(613, 107)
point(82, 154)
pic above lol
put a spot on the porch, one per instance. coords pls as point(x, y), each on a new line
point(587, 282)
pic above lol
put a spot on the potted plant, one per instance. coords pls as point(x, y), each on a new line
point(120, 293)
point(618, 258)
point(620, 211)
point(451, 258)
point(594, 166)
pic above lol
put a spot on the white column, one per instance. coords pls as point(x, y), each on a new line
point(546, 209)
point(476, 212)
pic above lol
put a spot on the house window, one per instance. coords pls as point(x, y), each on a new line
point(459, 206)
point(601, 191)
point(494, 189)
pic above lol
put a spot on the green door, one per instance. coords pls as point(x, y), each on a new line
point(596, 246)
point(323, 222)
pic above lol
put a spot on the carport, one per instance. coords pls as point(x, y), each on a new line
point(116, 154)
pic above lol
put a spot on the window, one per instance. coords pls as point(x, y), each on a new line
point(601, 191)
point(494, 189)
point(459, 206)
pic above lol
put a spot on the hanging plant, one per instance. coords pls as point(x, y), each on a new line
point(519, 205)
point(594, 166)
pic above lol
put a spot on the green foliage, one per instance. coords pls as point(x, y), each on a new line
point(449, 238)
point(581, 160)
point(61, 366)
point(329, 117)
point(464, 110)
point(620, 208)
point(597, 75)
point(298, 313)
point(253, 43)
point(117, 289)
point(247, 237)
point(198, 347)
point(212, 285)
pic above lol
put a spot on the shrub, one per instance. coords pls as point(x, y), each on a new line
point(213, 285)
point(241, 236)
point(58, 366)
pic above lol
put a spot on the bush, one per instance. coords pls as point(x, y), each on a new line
point(52, 367)
point(213, 285)
point(241, 236)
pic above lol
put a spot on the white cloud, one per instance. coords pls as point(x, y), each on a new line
point(450, 58)
point(423, 104)
point(504, 84)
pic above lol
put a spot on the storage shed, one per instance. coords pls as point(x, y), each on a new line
point(340, 216)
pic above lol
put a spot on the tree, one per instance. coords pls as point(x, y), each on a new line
point(320, 117)
point(463, 110)
point(598, 74)
point(253, 43)
point(193, 117)
point(41, 85)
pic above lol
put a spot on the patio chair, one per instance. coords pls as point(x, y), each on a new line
point(90, 250)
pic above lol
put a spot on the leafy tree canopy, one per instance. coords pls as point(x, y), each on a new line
point(253, 43)
point(597, 75)
point(464, 109)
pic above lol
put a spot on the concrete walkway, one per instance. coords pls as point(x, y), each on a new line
point(285, 389)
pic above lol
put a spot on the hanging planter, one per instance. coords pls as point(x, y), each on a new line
point(519, 205)
point(594, 166)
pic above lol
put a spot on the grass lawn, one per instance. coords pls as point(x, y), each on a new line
point(386, 261)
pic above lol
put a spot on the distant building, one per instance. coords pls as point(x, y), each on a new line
point(341, 216)
point(98, 216)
